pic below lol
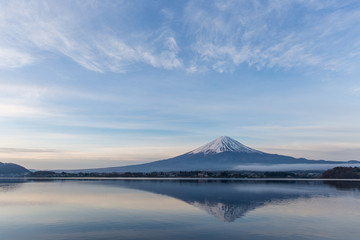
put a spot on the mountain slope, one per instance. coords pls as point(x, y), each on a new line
point(224, 153)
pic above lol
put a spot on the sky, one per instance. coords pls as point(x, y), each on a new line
point(109, 83)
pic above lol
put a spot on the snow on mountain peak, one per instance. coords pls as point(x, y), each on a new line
point(223, 144)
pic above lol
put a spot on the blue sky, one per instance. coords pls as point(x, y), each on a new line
point(110, 83)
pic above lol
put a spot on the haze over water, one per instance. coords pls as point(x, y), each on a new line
point(178, 209)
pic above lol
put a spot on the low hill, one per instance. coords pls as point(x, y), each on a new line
point(12, 169)
point(342, 173)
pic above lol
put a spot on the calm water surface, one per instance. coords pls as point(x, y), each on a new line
point(178, 209)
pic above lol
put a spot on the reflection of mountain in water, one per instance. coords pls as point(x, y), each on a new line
point(229, 200)
point(225, 212)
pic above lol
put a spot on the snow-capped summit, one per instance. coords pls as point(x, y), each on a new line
point(223, 144)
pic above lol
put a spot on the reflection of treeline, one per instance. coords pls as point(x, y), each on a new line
point(342, 173)
point(185, 174)
point(344, 185)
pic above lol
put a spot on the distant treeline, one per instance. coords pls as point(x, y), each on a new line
point(184, 174)
point(342, 173)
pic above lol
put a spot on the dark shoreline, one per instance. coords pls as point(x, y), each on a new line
point(335, 173)
point(183, 174)
point(177, 179)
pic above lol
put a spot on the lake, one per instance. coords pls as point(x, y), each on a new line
point(178, 209)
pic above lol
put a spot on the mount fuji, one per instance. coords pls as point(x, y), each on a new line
point(221, 154)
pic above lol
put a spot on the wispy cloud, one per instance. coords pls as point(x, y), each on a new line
point(355, 90)
point(117, 55)
point(210, 35)
point(14, 58)
point(276, 34)
point(16, 110)
point(41, 26)
point(26, 150)
point(23, 100)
